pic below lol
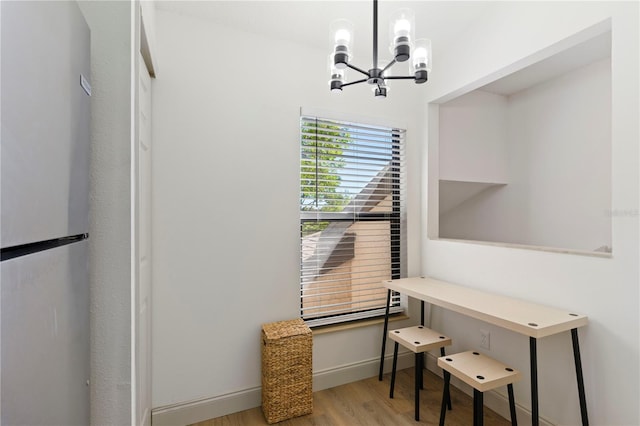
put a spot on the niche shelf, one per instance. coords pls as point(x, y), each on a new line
point(455, 192)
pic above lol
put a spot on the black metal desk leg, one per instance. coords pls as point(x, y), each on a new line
point(533, 355)
point(384, 334)
point(424, 359)
point(579, 377)
point(418, 384)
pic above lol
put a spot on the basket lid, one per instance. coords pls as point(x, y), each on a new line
point(280, 329)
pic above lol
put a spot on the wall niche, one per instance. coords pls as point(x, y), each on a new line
point(526, 159)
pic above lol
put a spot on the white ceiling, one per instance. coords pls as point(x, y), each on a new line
point(592, 50)
point(307, 22)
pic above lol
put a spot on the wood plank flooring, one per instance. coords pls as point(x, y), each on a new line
point(367, 403)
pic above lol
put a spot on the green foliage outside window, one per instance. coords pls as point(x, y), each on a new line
point(322, 159)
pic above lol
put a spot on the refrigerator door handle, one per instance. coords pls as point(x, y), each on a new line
point(7, 253)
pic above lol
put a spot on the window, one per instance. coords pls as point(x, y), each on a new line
point(351, 227)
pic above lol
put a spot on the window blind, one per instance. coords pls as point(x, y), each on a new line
point(351, 211)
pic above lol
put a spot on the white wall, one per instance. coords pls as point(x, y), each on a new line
point(558, 164)
point(473, 138)
point(606, 289)
point(110, 214)
point(560, 159)
point(225, 202)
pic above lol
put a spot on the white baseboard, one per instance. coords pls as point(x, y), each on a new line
point(209, 408)
point(349, 373)
point(205, 409)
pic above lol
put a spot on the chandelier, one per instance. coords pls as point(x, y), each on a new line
point(403, 47)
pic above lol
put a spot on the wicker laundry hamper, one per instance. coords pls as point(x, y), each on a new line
point(286, 370)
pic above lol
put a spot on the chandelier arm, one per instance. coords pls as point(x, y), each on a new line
point(354, 82)
point(393, 61)
point(400, 77)
point(353, 67)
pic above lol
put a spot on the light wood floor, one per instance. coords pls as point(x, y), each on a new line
point(367, 403)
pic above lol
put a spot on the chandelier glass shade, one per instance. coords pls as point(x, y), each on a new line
point(404, 47)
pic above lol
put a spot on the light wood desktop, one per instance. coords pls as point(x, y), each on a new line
point(530, 319)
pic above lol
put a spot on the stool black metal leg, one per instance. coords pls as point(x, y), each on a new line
point(512, 405)
point(384, 334)
point(533, 354)
point(445, 397)
point(393, 370)
point(442, 353)
point(417, 386)
point(424, 360)
point(579, 377)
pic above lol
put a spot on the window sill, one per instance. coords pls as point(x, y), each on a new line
point(603, 255)
point(325, 329)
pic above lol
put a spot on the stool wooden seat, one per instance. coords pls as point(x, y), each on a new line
point(418, 339)
point(481, 372)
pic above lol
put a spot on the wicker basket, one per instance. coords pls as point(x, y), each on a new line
point(286, 370)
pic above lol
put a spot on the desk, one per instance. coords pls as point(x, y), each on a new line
point(523, 317)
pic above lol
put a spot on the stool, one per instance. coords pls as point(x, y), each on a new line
point(482, 373)
point(418, 339)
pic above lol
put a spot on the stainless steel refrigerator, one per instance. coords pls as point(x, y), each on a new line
point(44, 151)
